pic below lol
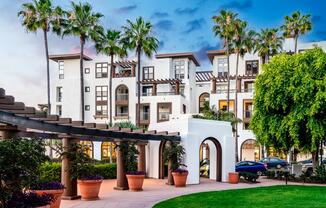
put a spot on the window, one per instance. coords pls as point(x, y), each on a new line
point(248, 86)
point(163, 111)
point(61, 70)
point(184, 109)
point(147, 90)
point(248, 107)
point(59, 110)
point(222, 67)
point(148, 72)
point(108, 151)
point(222, 88)
point(87, 89)
point(101, 93)
point(87, 70)
point(87, 147)
point(252, 67)
point(101, 70)
point(59, 94)
point(203, 98)
point(246, 126)
point(144, 112)
point(87, 107)
point(223, 105)
point(179, 69)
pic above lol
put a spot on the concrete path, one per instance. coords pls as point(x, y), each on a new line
point(154, 191)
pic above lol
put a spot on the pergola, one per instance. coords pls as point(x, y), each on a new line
point(18, 120)
point(221, 79)
point(126, 65)
point(155, 82)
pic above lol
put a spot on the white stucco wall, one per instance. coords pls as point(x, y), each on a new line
point(193, 132)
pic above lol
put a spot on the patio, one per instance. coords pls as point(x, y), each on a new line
point(155, 190)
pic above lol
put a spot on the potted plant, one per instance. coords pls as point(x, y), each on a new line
point(135, 178)
point(175, 154)
point(30, 199)
point(83, 170)
point(49, 188)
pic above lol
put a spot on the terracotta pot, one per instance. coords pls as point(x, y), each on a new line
point(135, 182)
point(89, 189)
point(180, 179)
point(234, 178)
point(55, 193)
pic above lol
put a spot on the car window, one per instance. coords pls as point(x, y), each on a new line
point(243, 164)
point(274, 160)
point(251, 163)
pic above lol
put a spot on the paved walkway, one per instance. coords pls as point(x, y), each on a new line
point(154, 191)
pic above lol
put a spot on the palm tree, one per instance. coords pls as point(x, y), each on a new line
point(268, 44)
point(139, 36)
point(224, 28)
point(242, 43)
point(296, 25)
point(40, 14)
point(84, 23)
point(110, 43)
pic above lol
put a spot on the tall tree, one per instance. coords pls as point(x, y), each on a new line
point(290, 102)
point(268, 44)
point(83, 23)
point(296, 25)
point(139, 36)
point(110, 43)
point(42, 15)
point(224, 28)
point(242, 43)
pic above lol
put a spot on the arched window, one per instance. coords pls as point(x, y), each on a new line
point(204, 97)
point(108, 151)
point(250, 150)
point(87, 147)
point(122, 101)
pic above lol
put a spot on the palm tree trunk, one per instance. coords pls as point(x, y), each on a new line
point(138, 87)
point(82, 43)
point(236, 110)
point(228, 78)
point(45, 32)
point(295, 44)
point(110, 89)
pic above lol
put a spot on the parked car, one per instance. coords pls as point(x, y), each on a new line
point(250, 167)
point(274, 162)
point(307, 165)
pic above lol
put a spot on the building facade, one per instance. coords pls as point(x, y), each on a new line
point(171, 84)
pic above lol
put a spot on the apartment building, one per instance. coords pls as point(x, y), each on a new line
point(171, 83)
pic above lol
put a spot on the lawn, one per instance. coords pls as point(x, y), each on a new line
point(262, 197)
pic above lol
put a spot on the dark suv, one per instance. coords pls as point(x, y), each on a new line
point(274, 162)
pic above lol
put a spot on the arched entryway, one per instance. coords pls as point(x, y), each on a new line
point(250, 150)
point(210, 159)
point(163, 168)
point(203, 98)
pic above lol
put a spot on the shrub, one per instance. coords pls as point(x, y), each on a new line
point(250, 177)
point(108, 170)
point(50, 171)
point(319, 175)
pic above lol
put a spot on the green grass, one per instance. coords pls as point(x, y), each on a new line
point(262, 197)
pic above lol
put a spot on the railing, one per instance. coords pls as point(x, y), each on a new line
point(145, 94)
point(163, 116)
point(247, 90)
point(122, 96)
point(248, 113)
point(122, 114)
point(144, 116)
point(221, 91)
point(125, 73)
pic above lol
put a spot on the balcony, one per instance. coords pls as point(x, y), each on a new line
point(144, 118)
point(121, 116)
point(146, 94)
point(247, 116)
point(122, 99)
point(163, 116)
point(125, 69)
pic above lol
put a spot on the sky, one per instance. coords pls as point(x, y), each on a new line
point(180, 26)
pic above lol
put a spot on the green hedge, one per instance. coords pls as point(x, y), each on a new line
point(51, 171)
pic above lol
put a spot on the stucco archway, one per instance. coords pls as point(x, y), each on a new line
point(250, 150)
point(215, 158)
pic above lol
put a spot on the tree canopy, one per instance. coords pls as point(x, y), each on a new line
point(290, 101)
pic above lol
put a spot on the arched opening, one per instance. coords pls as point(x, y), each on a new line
point(87, 148)
point(250, 150)
point(203, 98)
point(163, 166)
point(122, 101)
point(108, 152)
point(210, 159)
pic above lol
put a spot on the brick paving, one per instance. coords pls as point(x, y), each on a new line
point(154, 191)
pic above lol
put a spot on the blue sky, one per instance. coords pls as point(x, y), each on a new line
point(180, 25)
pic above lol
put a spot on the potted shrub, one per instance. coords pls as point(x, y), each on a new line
point(135, 178)
point(49, 188)
point(175, 154)
point(83, 170)
point(29, 199)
